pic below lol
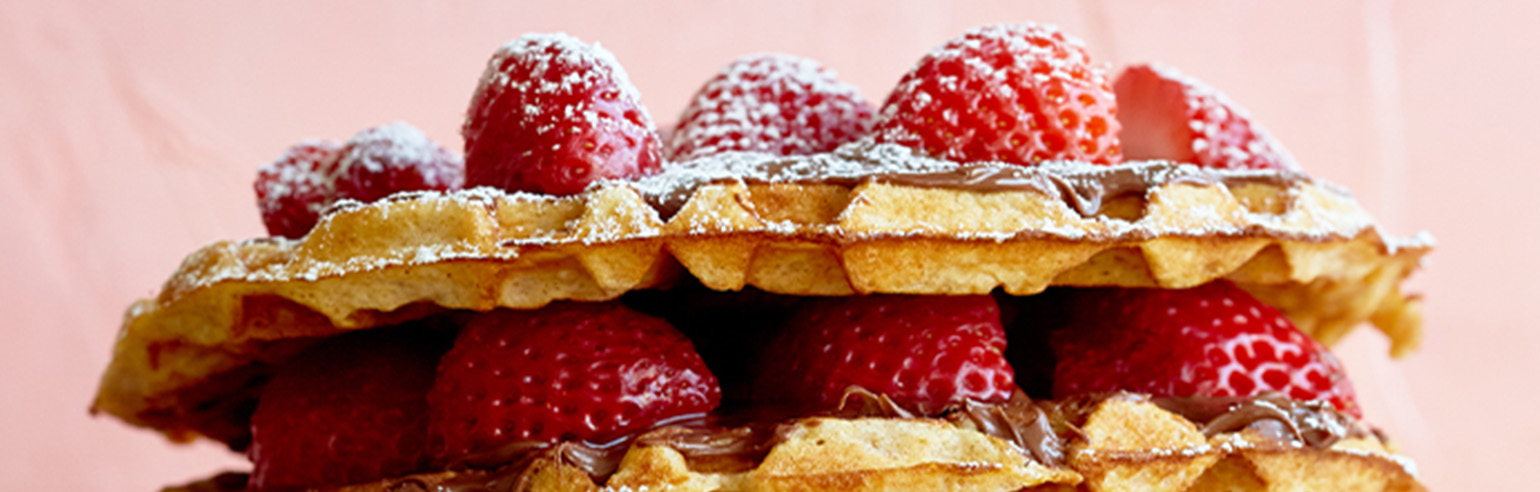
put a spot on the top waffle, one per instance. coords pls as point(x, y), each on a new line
point(865, 219)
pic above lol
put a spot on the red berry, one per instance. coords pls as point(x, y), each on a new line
point(1021, 93)
point(1170, 116)
point(290, 191)
point(351, 409)
point(924, 352)
point(777, 104)
point(379, 161)
point(1211, 340)
point(552, 115)
point(591, 372)
point(293, 191)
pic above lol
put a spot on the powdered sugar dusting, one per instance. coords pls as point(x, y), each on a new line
point(1419, 241)
point(278, 259)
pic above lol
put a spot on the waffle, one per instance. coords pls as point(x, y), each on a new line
point(1117, 442)
point(865, 219)
point(880, 219)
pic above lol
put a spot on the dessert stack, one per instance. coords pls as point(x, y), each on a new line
point(1018, 272)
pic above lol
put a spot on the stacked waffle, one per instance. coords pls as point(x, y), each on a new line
point(986, 285)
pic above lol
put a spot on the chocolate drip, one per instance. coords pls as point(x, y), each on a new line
point(513, 477)
point(1018, 421)
point(857, 403)
point(598, 461)
point(719, 449)
point(1314, 423)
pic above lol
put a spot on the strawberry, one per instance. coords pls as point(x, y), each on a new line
point(385, 159)
point(1174, 117)
point(1211, 340)
point(1021, 93)
point(352, 408)
point(778, 104)
point(924, 352)
point(290, 191)
point(552, 115)
point(590, 372)
point(293, 191)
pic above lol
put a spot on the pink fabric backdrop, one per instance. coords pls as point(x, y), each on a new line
point(129, 135)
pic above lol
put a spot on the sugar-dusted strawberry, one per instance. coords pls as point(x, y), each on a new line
point(1210, 340)
point(385, 159)
point(924, 352)
point(553, 114)
point(293, 191)
point(352, 408)
point(778, 104)
point(590, 372)
point(1021, 93)
point(1167, 115)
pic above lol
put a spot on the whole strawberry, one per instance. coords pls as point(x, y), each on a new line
point(351, 409)
point(293, 191)
point(1021, 93)
point(590, 372)
point(1166, 115)
point(552, 115)
point(1211, 340)
point(386, 159)
point(778, 104)
point(924, 352)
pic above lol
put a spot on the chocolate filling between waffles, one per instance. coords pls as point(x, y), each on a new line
point(1039, 428)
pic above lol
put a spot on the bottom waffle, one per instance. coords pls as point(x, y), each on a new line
point(1102, 443)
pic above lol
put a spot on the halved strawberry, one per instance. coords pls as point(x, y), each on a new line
point(294, 190)
point(1210, 340)
point(1167, 115)
point(590, 372)
point(1020, 93)
point(552, 115)
point(924, 352)
point(350, 409)
point(779, 104)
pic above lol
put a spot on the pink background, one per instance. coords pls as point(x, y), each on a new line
point(129, 135)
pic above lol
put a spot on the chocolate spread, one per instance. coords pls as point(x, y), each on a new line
point(1314, 423)
point(1084, 187)
point(1041, 429)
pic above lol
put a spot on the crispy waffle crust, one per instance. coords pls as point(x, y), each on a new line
point(865, 219)
point(1120, 443)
